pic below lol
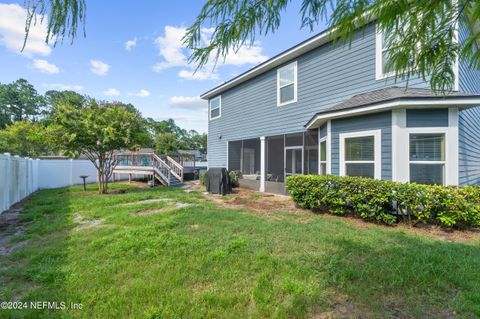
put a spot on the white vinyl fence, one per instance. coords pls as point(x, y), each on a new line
point(19, 177)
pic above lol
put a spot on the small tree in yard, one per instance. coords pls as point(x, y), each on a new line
point(97, 131)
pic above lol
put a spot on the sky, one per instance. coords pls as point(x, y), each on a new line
point(133, 53)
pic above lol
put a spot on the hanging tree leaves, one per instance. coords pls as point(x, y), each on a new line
point(64, 18)
point(423, 42)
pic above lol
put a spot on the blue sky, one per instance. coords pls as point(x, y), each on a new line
point(132, 53)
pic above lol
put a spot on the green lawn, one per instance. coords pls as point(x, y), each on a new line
point(203, 261)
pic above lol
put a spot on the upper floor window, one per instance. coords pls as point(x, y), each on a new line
point(381, 57)
point(215, 107)
point(287, 84)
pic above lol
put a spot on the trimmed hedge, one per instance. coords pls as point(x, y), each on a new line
point(387, 202)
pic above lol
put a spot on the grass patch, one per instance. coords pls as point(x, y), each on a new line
point(203, 261)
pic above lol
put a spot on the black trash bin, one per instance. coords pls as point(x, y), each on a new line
point(217, 181)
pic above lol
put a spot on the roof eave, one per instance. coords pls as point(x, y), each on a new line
point(464, 102)
point(277, 60)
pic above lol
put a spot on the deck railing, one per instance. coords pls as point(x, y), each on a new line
point(177, 169)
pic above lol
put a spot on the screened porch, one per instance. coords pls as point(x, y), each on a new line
point(281, 155)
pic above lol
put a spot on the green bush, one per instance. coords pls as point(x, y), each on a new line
point(387, 202)
point(234, 176)
point(201, 177)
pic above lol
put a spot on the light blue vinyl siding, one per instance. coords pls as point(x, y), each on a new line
point(368, 122)
point(327, 75)
point(469, 126)
point(427, 118)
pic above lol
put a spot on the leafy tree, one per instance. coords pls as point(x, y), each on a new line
point(26, 138)
point(56, 98)
point(168, 137)
point(166, 143)
point(20, 101)
point(199, 142)
point(97, 131)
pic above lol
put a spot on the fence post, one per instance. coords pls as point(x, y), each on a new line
point(71, 172)
point(6, 184)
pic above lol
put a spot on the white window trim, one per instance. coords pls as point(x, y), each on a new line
point(401, 146)
point(329, 147)
point(377, 135)
point(320, 162)
point(428, 130)
point(295, 83)
point(379, 75)
point(219, 107)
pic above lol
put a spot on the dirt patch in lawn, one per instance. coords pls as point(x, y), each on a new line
point(168, 208)
point(268, 205)
point(10, 227)
point(152, 211)
point(85, 224)
point(263, 204)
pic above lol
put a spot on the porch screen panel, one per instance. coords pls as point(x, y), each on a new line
point(251, 157)
point(294, 139)
point(311, 152)
point(275, 159)
point(234, 155)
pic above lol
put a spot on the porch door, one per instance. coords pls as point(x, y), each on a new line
point(293, 161)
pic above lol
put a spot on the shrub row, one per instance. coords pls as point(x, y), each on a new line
point(387, 202)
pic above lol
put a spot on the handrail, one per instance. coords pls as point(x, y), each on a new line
point(161, 168)
point(177, 169)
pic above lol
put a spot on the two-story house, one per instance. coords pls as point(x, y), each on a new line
point(323, 107)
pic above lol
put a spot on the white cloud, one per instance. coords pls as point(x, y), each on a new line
point(188, 102)
point(98, 67)
point(45, 67)
point(63, 87)
point(199, 75)
point(141, 93)
point(130, 44)
point(12, 31)
point(111, 92)
point(171, 49)
point(174, 54)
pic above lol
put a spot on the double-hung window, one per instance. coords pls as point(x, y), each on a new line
point(382, 53)
point(427, 158)
point(360, 154)
point(323, 157)
point(215, 107)
point(287, 84)
point(382, 56)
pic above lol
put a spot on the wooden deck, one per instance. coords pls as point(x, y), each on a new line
point(167, 170)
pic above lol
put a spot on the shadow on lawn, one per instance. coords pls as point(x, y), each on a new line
point(278, 268)
point(38, 272)
point(402, 276)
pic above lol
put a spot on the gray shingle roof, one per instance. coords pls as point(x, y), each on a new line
point(392, 93)
point(389, 95)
